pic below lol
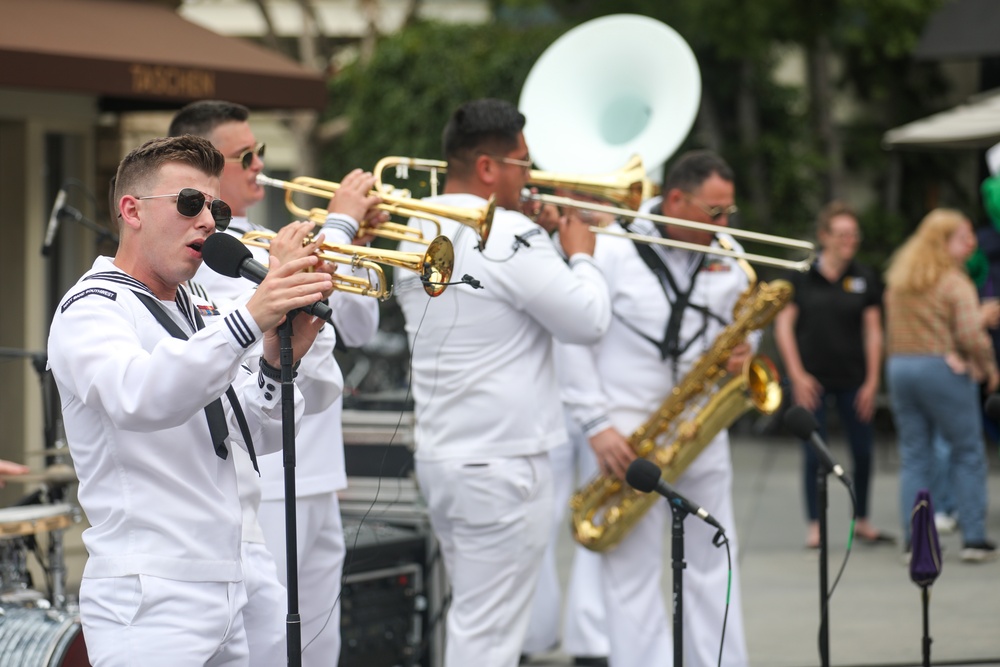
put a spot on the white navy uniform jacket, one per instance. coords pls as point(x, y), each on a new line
point(159, 499)
point(484, 382)
point(625, 375)
point(319, 443)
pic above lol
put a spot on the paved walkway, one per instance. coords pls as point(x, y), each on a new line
point(875, 613)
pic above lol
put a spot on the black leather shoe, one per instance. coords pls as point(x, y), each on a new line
point(590, 661)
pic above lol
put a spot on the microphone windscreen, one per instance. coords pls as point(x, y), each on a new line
point(642, 475)
point(993, 407)
point(224, 254)
point(801, 422)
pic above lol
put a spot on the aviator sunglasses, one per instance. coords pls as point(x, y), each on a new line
point(715, 212)
point(246, 157)
point(191, 201)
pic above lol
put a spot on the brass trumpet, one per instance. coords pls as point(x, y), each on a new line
point(479, 219)
point(627, 186)
point(434, 266)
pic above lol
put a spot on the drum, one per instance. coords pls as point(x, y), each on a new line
point(31, 519)
point(18, 525)
point(41, 638)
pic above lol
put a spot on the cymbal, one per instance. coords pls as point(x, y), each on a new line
point(56, 474)
point(55, 451)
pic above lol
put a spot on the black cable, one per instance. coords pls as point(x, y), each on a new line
point(719, 540)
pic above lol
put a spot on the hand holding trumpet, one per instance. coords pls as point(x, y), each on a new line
point(356, 199)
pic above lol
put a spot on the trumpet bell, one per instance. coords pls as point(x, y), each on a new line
point(439, 263)
point(609, 88)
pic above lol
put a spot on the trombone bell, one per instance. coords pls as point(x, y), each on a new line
point(628, 186)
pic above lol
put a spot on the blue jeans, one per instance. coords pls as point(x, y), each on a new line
point(941, 477)
point(859, 435)
point(928, 397)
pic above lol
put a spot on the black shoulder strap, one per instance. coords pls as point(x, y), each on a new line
point(214, 412)
point(670, 345)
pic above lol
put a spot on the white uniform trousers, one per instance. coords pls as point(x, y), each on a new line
point(632, 574)
point(585, 624)
point(154, 622)
point(583, 627)
point(492, 518)
point(265, 613)
point(546, 604)
point(320, 546)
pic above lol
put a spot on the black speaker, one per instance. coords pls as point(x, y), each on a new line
point(384, 602)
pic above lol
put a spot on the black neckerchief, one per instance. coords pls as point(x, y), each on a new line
point(670, 346)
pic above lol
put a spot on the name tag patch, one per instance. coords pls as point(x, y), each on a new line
point(99, 291)
point(208, 311)
point(855, 284)
point(715, 265)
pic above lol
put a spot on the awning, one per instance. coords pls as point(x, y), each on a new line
point(143, 55)
point(975, 124)
point(961, 29)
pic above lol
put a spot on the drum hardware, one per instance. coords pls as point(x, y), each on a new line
point(18, 527)
point(55, 451)
point(59, 473)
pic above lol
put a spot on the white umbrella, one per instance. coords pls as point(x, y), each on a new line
point(975, 124)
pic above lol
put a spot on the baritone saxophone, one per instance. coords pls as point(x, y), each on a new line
point(703, 403)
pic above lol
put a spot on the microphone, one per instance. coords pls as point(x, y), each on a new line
point(226, 255)
point(50, 232)
point(801, 422)
point(643, 475)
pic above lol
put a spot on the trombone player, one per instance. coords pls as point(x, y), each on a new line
point(487, 404)
point(669, 305)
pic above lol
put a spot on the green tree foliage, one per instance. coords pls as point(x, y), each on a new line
point(399, 102)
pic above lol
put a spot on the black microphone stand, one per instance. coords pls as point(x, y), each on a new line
point(822, 472)
point(678, 565)
point(293, 622)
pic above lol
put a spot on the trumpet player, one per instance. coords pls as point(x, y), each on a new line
point(320, 469)
point(486, 399)
point(669, 305)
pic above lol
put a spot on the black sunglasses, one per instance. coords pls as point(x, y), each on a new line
point(246, 157)
point(190, 202)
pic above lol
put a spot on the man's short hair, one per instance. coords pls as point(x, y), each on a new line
point(481, 126)
point(200, 118)
point(693, 168)
point(141, 166)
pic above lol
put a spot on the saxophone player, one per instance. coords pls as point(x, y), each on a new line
point(669, 304)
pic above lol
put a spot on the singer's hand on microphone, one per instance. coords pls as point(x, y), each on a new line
point(612, 451)
point(287, 287)
point(305, 328)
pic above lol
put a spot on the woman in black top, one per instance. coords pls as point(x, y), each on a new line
point(830, 337)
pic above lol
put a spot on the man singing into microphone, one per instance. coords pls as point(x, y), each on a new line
point(155, 395)
point(319, 471)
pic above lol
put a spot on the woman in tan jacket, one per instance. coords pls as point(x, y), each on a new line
point(938, 351)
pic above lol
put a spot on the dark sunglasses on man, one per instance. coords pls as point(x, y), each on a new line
point(190, 202)
point(246, 157)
